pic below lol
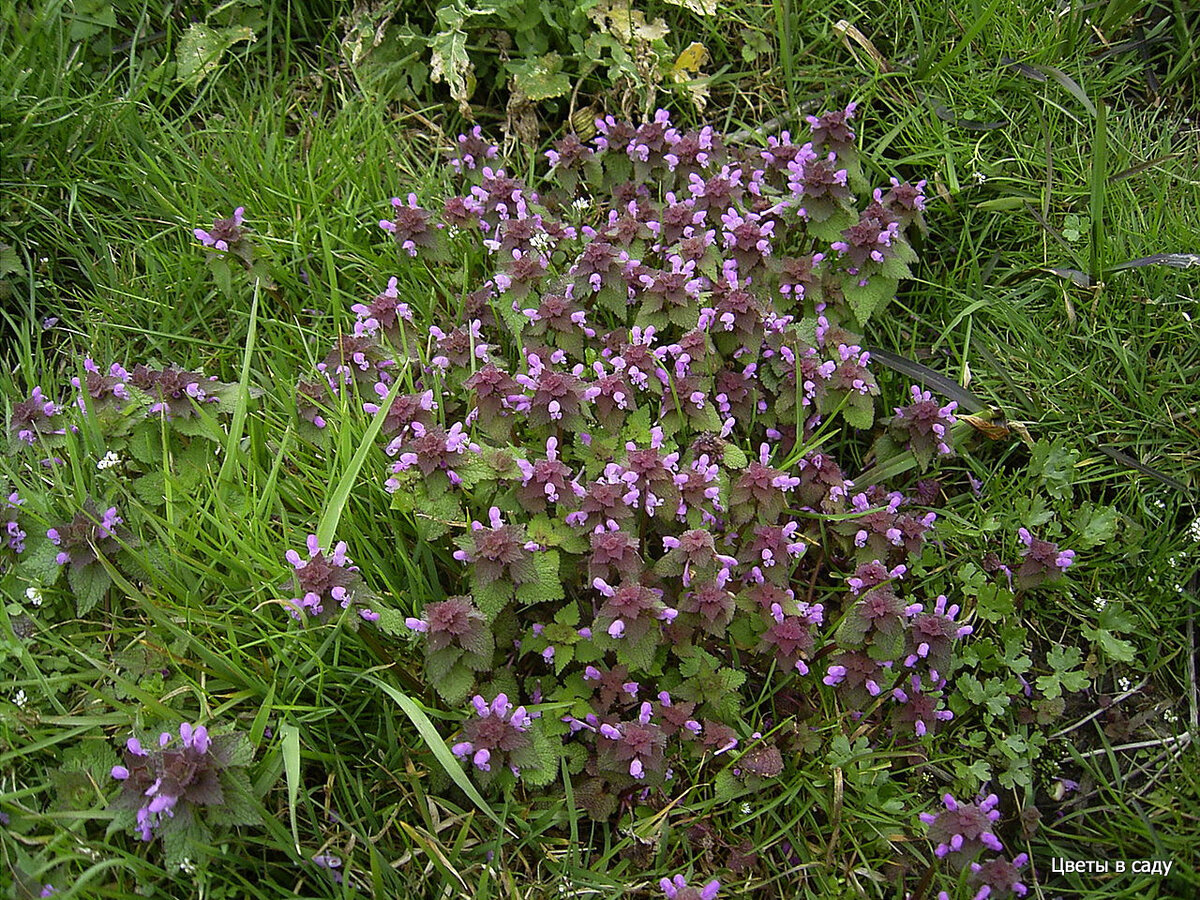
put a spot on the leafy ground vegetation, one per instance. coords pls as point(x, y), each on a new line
point(675, 450)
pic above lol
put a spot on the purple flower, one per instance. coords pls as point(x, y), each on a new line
point(1042, 561)
point(174, 780)
point(325, 584)
point(472, 150)
point(999, 878)
point(677, 889)
point(89, 535)
point(964, 827)
point(226, 234)
point(411, 225)
point(172, 390)
point(497, 736)
point(35, 417)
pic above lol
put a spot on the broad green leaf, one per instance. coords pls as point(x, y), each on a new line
point(540, 78)
point(201, 48)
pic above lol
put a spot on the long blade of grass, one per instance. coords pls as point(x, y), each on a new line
point(290, 736)
point(243, 395)
point(429, 734)
point(337, 501)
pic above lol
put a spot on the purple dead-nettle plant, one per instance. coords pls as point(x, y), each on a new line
point(1042, 561)
point(633, 749)
point(964, 828)
point(385, 313)
point(472, 151)
point(924, 426)
point(677, 889)
point(325, 584)
point(91, 534)
point(998, 878)
point(789, 636)
point(920, 710)
point(406, 409)
point(102, 388)
point(430, 449)
point(500, 551)
point(36, 417)
point(497, 736)
point(179, 783)
point(858, 678)
point(932, 635)
point(357, 359)
point(13, 536)
point(670, 304)
point(412, 227)
point(173, 392)
point(631, 610)
point(226, 235)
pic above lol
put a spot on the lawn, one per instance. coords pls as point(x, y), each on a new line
point(293, 465)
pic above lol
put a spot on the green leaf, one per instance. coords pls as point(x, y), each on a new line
point(1115, 648)
point(728, 786)
point(491, 598)
point(450, 64)
point(391, 621)
point(734, 457)
point(289, 736)
point(455, 685)
point(866, 300)
point(40, 560)
point(859, 411)
point(89, 584)
point(547, 586)
point(1097, 525)
point(540, 78)
point(240, 806)
point(200, 50)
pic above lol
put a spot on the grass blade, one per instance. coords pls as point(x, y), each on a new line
point(337, 501)
point(290, 735)
point(441, 752)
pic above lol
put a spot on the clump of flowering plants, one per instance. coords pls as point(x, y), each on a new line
point(620, 433)
point(177, 787)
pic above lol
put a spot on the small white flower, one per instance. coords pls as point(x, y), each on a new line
point(34, 595)
point(108, 461)
point(1099, 603)
point(746, 809)
point(1124, 683)
point(20, 699)
point(1158, 502)
point(1194, 530)
point(188, 866)
point(979, 177)
point(581, 203)
point(541, 241)
point(1170, 716)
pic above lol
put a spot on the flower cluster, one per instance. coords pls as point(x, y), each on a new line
point(677, 889)
point(962, 831)
point(1042, 561)
point(325, 584)
point(496, 736)
point(167, 784)
point(91, 534)
point(586, 415)
point(923, 426)
point(12, 538)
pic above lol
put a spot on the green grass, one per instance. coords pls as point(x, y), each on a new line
point(105, 175)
